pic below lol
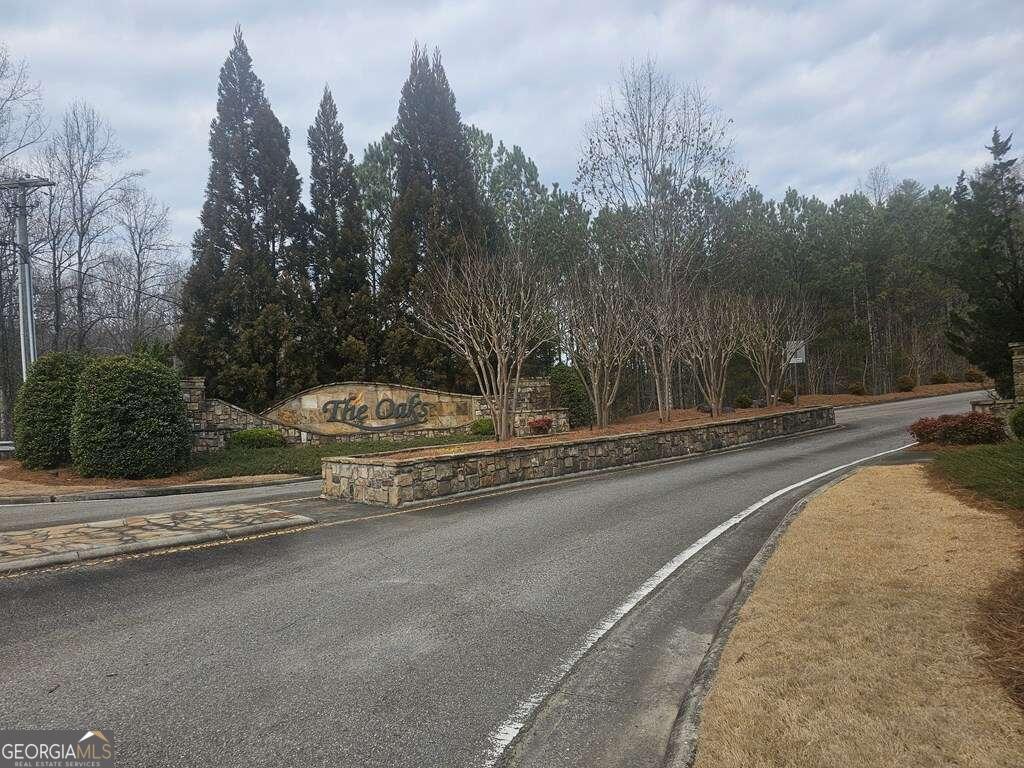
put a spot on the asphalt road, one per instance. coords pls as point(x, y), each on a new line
point(408, 639)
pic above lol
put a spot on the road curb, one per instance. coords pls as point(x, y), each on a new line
point(682, 742)
point(140, 493)
point(174, 540)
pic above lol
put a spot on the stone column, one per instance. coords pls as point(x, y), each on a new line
point(1017, 351)
point(193, 392)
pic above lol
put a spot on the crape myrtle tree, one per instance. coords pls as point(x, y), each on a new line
point(436, 210)
point(596, 307)
point(341, 321)
point(986, 261)
point(244, 300)
point(651, 141)
point(711, 330)
point(768, 322)
point(493, 308)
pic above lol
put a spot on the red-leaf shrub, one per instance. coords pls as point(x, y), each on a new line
point(960, 429)
point(541, 425)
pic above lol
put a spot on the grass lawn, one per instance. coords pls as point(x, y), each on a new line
point(993, 471)
point(304, 460)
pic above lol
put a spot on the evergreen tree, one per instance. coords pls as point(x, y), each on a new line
point(437, 205)
point(987, 263)
point(243, 320)
point(339, 245)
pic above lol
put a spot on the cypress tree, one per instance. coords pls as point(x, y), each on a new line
point(242, 325)
point(338, 252)
point(437, 204)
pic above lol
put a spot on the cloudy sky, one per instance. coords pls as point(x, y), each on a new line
point(819, 92)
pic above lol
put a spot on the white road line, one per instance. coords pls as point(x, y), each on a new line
point(505, 734)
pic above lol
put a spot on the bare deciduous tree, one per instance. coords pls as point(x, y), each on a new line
point(650, 143)
point(596, 305)
point(22, 122)
point(494, 310)
point(769, 323)
point(51, 232)
point(144, 268)
point(88, 158)
point(711, 331)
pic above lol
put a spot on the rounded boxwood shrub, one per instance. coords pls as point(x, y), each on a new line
point(857, 388)
point(787, 396)
point(1017, 423)
point(482, 427)
point(257, 437)
point(742, 400)
point(42, 411)
point(940, 377)
point(905, 383)
point(129, 419)
point(974, 375)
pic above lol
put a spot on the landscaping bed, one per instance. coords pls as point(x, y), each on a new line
point(867, 639)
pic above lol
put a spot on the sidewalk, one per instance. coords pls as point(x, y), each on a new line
point(39, 547)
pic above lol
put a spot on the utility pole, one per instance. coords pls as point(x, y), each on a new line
point(26, 299)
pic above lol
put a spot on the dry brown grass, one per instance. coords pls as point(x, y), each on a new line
point(859, 648)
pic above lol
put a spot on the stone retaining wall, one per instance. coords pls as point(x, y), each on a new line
point(397, 481)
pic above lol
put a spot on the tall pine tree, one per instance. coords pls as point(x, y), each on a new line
point(343, 328)
point(987, 263)
point(244, 297)
point(437, 205)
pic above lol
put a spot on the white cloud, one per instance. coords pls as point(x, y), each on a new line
point(818, 92)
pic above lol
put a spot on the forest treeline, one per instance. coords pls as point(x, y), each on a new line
point(293, 285)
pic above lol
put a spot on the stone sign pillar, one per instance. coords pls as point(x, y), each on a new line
point(1017, 351)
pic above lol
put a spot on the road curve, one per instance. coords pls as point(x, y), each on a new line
point(404, 640)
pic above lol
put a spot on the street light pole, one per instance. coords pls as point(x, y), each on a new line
point(26, 298)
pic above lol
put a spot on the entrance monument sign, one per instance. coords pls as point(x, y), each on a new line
point(355, 406)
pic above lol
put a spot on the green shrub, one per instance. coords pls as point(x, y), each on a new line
point(939, 377)
point(787, 396)
point(742, 400)
point(567, 391)
point(974, 375)
point(482, 427)
point(960, 429)
point(42, 411)
point(857, 388)
point(259, 437)
point(129, 419)
point(1017, 423)
point(905, 383)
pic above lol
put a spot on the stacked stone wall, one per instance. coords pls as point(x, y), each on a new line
point(397, 481)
